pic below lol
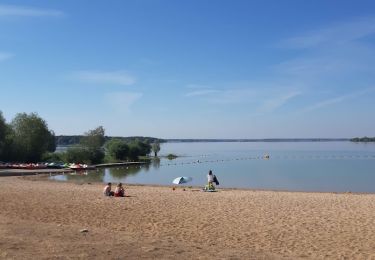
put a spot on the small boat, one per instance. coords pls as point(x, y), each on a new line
point(56, 165)
point(81, 167)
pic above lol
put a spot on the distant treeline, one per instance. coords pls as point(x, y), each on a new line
point(66, 140)
point(363, 139)
point(258, 140)
point(27, 139)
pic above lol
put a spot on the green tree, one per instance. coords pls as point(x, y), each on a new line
point(134, 151)
point(31, 137)
point(6, 140)
point(155, 148)
point(92, 143)
point(117, 149)
point(3, 132)
point(94, 139)
point(144, 148)
point(76, 155)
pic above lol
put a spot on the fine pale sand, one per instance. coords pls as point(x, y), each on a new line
point(42, 220)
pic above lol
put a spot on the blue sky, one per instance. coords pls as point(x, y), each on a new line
point(191, 69)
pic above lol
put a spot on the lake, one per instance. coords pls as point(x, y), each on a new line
point(296, 166)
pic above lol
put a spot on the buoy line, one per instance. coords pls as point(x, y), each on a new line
point(278, 157)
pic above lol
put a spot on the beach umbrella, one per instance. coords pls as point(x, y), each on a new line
point(181, 180)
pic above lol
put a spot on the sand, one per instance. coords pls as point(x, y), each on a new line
point(43, 219)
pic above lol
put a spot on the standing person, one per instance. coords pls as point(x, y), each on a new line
point(119, 191)
point(107, 190)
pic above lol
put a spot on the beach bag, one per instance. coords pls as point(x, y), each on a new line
point(216, 180)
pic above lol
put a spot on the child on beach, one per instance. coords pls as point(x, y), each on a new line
point(119, 191)
point(107, 190)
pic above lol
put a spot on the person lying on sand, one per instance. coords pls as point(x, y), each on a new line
point(119, 191)
point(107, 190)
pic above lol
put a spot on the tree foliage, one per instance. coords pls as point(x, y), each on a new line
point(5, 141)
point(66, 140)
point(76, 155)
point(25, 139)
point(144, 148)
point(90, 150)
point(28, 139)
point(155, 148)
point(94, 139)
point(363, 139)
point(117, 149)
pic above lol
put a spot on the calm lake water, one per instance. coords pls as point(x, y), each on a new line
point(296, 166)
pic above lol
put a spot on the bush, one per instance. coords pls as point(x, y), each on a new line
point(171, 156)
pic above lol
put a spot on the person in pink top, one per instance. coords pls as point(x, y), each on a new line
point(119, 191)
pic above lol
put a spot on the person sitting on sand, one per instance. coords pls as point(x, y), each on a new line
point(210, 179)
point(119, 191)
point(107, 190)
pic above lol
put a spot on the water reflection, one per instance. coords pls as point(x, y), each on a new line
point(155, 163)
point(110, 173)
point(122, 172)
point(87, 176)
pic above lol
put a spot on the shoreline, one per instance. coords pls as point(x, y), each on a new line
point(45, 177)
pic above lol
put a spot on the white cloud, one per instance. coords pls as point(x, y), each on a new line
point(122, 101)
point(108, 77)
point(13, 10)
point(5, 56)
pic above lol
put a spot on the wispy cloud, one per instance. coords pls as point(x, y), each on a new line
point(108, 77)
point(228, 95)
point(233, 96)
point(5, 56)
point(122, 101)
point(263, 98)
point(334, 52)
point(14, 10)
point(331, 60)
point(338, 99)
point(203, 92)
point(269, 105)
point(339, 33)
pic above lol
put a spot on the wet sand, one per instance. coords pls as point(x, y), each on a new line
point(42, 220)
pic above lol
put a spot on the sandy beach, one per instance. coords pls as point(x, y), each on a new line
point(42, 219)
